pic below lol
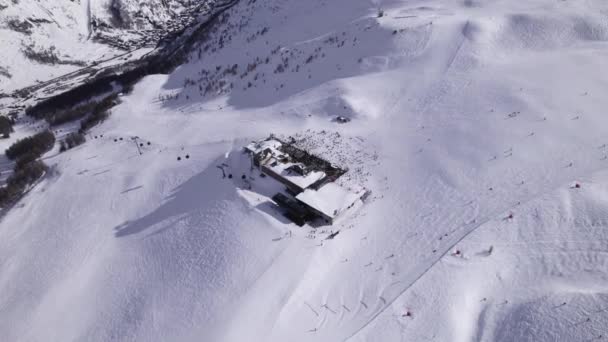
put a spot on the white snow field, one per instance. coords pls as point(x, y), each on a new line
point(472, 123)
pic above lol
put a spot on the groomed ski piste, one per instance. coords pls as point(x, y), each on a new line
point(479, 126)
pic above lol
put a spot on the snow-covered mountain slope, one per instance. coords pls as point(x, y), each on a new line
point(42, 40)
point(472, 122)
point(137, 14)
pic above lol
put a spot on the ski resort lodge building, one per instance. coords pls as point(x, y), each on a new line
point(272, 161)
point(309, 180)
point(330, 201)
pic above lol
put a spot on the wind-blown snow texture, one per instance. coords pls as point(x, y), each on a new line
point(472, 123)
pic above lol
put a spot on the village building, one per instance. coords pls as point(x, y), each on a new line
point(310, 181)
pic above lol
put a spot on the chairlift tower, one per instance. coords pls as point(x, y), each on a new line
point(137, 144)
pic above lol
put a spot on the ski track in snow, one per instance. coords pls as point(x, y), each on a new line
point(467, 231)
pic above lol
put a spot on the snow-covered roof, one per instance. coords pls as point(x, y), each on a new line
point(259, 146)
point(331, 199)
point(276, 162)
point(303, 181)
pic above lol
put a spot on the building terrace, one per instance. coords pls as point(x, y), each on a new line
point(309, 179)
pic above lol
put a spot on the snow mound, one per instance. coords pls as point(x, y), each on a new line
point(536, 31)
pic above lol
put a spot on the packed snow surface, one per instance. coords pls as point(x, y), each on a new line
point(470, 121)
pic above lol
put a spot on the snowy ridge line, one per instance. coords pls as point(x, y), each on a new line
point(471, 230)
point(457, 49)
